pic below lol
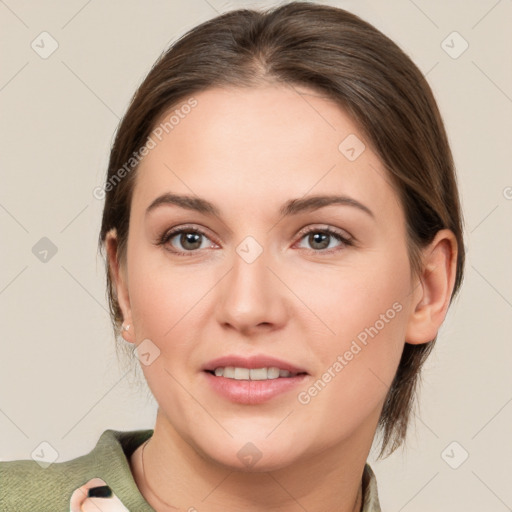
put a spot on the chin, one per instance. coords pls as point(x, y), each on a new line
point(250, 457)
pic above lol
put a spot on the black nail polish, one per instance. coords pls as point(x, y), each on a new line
point(103, 491)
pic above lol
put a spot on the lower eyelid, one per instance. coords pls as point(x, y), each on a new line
point(170, 235)
point(344, 240)
point(166, 237)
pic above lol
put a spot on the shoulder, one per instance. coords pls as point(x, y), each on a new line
point(45, 485)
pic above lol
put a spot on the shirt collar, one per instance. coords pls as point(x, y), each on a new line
point(370, 491)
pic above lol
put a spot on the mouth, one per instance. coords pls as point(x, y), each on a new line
point(257, 367)
point(252, 380)
point(265, 373)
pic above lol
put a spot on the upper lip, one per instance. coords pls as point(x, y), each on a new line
point(257, 361)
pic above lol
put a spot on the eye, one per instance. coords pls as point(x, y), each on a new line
point(319, 239)
point(190, 239)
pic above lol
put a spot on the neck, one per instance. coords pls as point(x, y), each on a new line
point(331, 480)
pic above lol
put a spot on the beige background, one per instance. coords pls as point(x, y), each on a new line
point(60, 382)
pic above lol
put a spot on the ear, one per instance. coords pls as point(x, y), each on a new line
point(431, 296)
point(120, 282)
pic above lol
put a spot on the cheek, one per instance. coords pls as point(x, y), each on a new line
point(166, 304)
point(367, 311)
point(357, 302)
point(163, 294)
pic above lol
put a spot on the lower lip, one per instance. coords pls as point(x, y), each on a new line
point(252, 392)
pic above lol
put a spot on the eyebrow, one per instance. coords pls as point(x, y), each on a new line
point(291, 207)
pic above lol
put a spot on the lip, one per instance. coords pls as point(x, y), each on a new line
point(256, 361)
point(252, 392)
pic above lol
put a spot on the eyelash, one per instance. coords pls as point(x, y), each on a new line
point(168, 235)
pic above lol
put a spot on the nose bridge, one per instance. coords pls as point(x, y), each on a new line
point(249, 277)
point(251, 294)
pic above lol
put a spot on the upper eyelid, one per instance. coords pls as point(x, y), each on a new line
point(309, 227)
point(179, 229)
point(325, 227)
point(345, 237)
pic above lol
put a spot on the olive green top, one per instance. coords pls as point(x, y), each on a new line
point(26, 485)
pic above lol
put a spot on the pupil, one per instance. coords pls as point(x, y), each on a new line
point(192, 238)
point(322, 243)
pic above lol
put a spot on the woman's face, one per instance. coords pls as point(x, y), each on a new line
point(263, 279)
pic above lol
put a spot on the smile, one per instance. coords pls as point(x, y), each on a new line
point(238, 373)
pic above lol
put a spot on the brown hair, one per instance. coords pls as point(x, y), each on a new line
point(349, 61)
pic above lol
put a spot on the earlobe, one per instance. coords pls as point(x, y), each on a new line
point(433, 293)
point(120, 284)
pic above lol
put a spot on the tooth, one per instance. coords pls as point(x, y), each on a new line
point(272, 373)
point(238, 373)
point(258, 373)
point(241, 373)
point(229, 372)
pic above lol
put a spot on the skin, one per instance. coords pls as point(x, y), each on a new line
point(79, 501)
point(249, 151)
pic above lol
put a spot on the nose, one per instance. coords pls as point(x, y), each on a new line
point(252, 298)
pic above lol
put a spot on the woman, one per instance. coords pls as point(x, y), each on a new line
point(283, 239)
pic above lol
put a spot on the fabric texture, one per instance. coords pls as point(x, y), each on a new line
point(26, 486)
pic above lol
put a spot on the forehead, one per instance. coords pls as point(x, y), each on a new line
point(271, 143)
